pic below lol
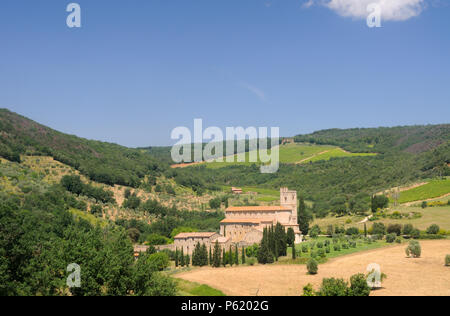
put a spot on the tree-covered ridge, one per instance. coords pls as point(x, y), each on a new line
point(102, 162)
point(39, 238)
point(413, 139)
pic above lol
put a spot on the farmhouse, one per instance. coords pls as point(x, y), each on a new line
point(245, 224)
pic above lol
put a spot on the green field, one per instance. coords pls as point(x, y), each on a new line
point(431, 190)
point(429, 216)
point(295, 154)
point(186, 288)
point(304, 257)
point(337, 153)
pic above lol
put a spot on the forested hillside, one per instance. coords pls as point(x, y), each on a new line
point(102, 162)
point(412, 139)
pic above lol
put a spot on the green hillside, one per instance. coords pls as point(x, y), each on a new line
point(102, 162)
point(431, 190)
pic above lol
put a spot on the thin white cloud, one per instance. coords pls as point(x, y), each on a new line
point(391, 10)
point(256, 91)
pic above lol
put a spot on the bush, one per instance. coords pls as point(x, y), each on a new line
point(433, 229)
point(390, 238)
point(251, 261)
point(447, 260)
point(415, 233)
point(424, 204)
point(159, 261)
point(333, 287)
point(395, 229)
point(378, 229)
point(337, 247)
point(305, 248)
point(315, 231)
point(312, 266)
point(345, 246)
point(320, 245)
point(413, 250)
point(352, 231)
point(321, 253)
point(353, 244)
point(398, 240)
point(327, 243)
point(407, 229)
point(358, 286)
point(328, 249)
point(308, 290)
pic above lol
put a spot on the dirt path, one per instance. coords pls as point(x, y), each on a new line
point(422, 276)
point(313, 156)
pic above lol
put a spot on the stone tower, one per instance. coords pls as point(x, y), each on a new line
point(288, 198)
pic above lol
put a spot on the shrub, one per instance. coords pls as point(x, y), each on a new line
point(352, 231)
point(395, 229)
point(415, 233)
point(390, 238)
point(333, 287)
point(321, 253)
point(358, 286)
point(433, 229)
point(315, 231)
point(345, 246)
point(314, 254)
point(447, 260)
point(308, 290)
point(407, 229)
point(378, 229)
point(413, 250)
point(320, 245)
point(312, 266)
point(327, 243)
point(305, 248)
point(337, 247)
point(353, 244)
point(251, 261)
point(328, 249)
point(424, 204)
point(398, 240)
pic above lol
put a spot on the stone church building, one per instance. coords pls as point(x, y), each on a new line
point(245, 224)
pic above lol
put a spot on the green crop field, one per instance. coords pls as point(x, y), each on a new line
point(337, 153)
point(186, 288)
point(431, 190)
point(295, 153)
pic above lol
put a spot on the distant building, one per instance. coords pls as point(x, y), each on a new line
point(236, 190)
point(188, 241)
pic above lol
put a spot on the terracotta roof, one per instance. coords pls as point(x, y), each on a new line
point(194, 235)
point(241, 220)
point(257, 208)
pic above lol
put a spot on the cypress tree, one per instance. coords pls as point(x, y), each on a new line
point(216, 255)
point(293, 251)
point(182, 263)
point(230, 257)
point(188, 260)
point(224, 258)
point(236, 257)
point(204, 252)
point(176, 257)
point(210, 259)
point(365, 230)
point(243, 255)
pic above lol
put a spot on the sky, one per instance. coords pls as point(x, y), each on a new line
point(137, 69)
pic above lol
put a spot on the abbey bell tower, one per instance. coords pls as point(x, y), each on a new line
point(288, 199)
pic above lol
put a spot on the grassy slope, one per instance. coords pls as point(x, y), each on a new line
point(296, 153)
point(186, 288)
point(433, 189)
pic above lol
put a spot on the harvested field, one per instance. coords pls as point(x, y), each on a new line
point(423, 276)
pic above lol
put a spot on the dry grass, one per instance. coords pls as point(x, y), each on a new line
point(422, 276)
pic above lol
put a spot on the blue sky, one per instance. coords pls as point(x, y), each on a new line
point(139, 68)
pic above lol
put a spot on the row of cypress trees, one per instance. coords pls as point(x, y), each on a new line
point(273, 244)
point(217, 257)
